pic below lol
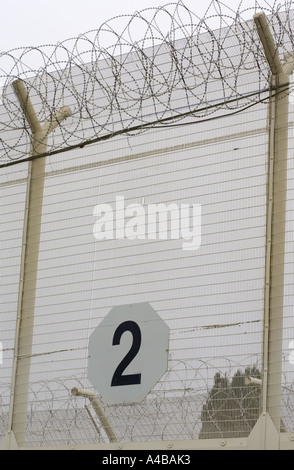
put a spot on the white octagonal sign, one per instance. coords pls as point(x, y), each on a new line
point(128, 353)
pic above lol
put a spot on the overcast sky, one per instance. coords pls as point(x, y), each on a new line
point(39, 22)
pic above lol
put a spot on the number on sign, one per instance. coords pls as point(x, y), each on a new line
point(129, 379)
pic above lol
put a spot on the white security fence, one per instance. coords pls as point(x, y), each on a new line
point(179, 207)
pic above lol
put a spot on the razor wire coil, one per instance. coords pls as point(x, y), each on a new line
point(117, 83)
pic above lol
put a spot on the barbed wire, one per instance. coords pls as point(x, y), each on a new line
point(157, 67)
point(173, 410)
point(186, 404)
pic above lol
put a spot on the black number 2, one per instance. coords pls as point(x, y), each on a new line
point(130, 379)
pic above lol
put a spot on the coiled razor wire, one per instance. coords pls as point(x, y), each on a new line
point(183, 406)
point(115, 82)
point(173, 410)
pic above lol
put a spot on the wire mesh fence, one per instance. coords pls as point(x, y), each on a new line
point(178, 122)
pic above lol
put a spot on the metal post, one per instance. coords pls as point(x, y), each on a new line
point(29, 260)
point(275, 245)
point(276, 286)
point(98, 410)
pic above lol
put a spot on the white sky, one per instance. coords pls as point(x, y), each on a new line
point(39, 22)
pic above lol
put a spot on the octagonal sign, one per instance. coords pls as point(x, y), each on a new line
point(128, 353)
